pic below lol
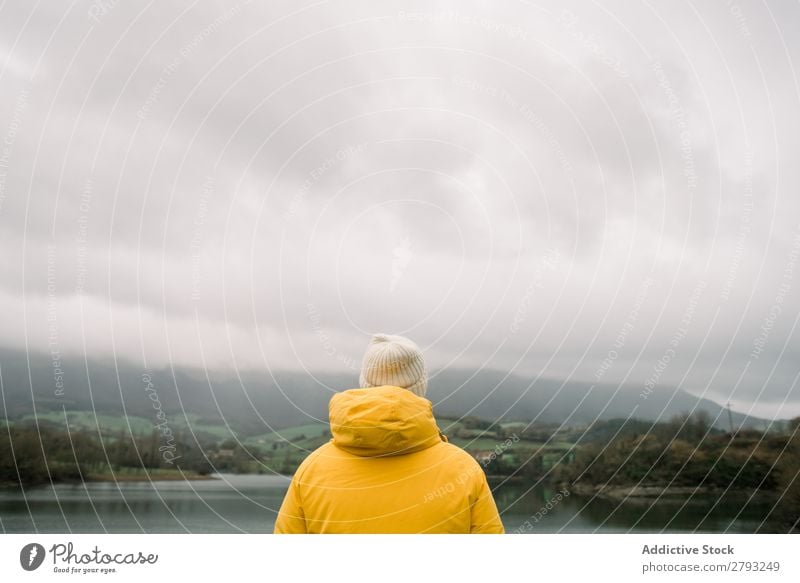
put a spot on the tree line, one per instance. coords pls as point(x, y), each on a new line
point(687, 452)
point(33, 454)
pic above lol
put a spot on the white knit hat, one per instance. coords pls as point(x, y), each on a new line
point(396, 361)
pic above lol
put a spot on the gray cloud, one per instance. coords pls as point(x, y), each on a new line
point(232, 185)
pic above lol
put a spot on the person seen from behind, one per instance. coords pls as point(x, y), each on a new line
point(388, 468)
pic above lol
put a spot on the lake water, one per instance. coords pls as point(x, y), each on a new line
point(247, 503)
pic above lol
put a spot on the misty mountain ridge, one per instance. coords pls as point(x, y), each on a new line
point(257, 402)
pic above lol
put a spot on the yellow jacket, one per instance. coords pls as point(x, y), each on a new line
point(387, 469)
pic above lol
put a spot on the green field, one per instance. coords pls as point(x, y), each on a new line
point(108, 424)
point(291, 433)
point(87, 420)
point(301, 438)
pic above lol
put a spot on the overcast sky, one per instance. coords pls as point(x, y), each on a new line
point(589, 191)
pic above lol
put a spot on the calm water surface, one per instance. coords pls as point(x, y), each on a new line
point(247, 503)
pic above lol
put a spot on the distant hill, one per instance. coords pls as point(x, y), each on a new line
point(491, 394)
point(255, 403)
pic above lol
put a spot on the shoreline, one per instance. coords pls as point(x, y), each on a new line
point(108, 477)
point(635, 492)
point(144, 478)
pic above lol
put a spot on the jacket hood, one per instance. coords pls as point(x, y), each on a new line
point(382, 421)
